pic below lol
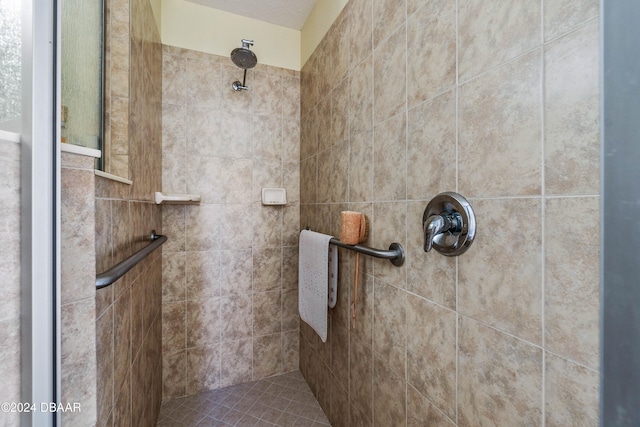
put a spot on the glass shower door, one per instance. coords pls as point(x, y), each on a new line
point(29, 183)
point(10, 125)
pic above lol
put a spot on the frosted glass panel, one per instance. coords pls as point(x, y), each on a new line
point(82, 72)
point(10, 65)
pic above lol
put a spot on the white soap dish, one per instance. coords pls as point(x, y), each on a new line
point(274, 196)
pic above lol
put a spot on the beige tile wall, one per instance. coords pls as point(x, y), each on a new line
point(128, 313)
point(499, 102)
point(117, 64)
point(10, 272)
point(230, 267)
point(78, 303)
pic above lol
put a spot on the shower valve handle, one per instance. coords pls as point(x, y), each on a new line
point(449, 224)
point(438, 224)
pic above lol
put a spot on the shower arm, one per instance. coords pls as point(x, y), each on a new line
point(237, 86)
point(244, 79)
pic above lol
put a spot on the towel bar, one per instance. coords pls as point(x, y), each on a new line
point(395, 253)
point(119, 270)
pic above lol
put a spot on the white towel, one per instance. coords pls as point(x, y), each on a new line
point(313, 276)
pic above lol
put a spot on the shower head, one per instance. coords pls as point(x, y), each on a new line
point(243, 57)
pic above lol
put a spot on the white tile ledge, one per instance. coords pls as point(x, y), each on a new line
point(7, 136)
point(176, 199)
point(92, 152)
point(83, 151)
point(112, 177)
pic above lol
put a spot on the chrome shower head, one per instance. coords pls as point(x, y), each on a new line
point(243, 57)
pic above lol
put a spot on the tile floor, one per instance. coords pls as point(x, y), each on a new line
point(285, 400)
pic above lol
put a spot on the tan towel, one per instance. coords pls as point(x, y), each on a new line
point(313, 276)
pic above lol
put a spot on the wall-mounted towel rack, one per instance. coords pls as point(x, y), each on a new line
point(395, 253)
point(120, 269)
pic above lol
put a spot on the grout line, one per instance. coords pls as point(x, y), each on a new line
point(575, 362)
point(457, 89)
point(570, 196)
point(489, 198)
point(373, 352)
point(113, 350)
point(406, 212)
point(543, 217)
point(574, 29)
point(501, 64)
point(219, 310)
point(252, 317)
point(406, 116)
point(495, 328)
point(426, 299)
point(436, 407)
point(457, 142)
point(543, 394)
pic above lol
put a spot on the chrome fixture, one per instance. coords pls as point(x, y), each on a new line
point(244, 58)
point(395, 253)
point(117, 271)
point(449, 224)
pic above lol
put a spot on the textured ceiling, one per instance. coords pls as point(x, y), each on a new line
point(286, 13)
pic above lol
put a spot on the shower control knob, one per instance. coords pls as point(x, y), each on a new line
point(449, 224)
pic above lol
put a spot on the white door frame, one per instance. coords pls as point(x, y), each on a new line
point(40, 194)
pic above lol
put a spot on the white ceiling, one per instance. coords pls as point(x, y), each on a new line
point(286, 13)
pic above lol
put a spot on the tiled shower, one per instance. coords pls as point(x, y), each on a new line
point(499, 102)
point(229, 306)
point(400, 101)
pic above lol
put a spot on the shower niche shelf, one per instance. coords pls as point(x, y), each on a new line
point(176, 199)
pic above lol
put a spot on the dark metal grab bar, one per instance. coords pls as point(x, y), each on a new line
point(121, 268)
point(395, 254)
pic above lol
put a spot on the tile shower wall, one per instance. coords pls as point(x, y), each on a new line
point(10, 272)
point(77, 276)
point(229, 295)
point(406, 99)
point(117, 87)
point(128, 313)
